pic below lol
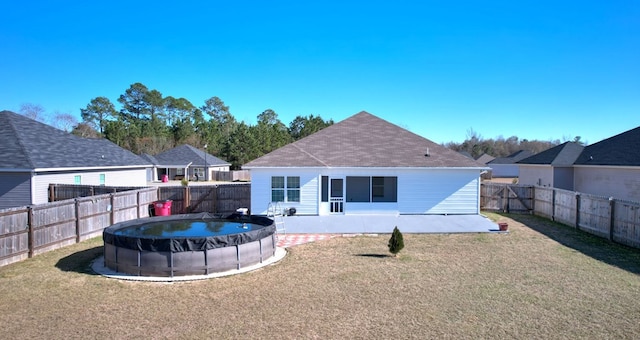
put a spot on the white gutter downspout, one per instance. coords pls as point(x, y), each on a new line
point(186, 171)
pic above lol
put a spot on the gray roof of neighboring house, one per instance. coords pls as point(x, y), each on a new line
point(512, 158)
point(564, 154)
point(364, 140)
point(184, 155)
point(485, 158)
point(26, 144)
point(149, 158)
point(466, 154)
point(620, 150)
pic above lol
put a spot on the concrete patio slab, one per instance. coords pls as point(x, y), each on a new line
point(367, 224)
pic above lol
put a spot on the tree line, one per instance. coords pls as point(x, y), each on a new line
point(148, 122)
point(476, 146)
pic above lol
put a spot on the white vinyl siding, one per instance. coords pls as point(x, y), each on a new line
point(124, 178)
point(261, 193)
point(439, 192)
point(419, 191)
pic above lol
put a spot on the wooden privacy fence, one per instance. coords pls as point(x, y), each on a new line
point(507, 198)
point(32, 230)
point(232, 176)
point(218, 198)
point(607, 217)
point(60, 192)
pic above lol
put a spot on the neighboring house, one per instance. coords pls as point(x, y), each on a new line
point(506, 166)
point(185, 159)
point(552, 167)
point(610, 167)
point(366, 165)
point(34, 155)
point(152, 172)
point(485, 158)
point(466, 154)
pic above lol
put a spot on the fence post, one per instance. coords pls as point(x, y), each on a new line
point(612, 209)
point(30, 233)
point(533, 199)
point(578, 210)
point(138, 203)
point(505, 199)
point(112, 216)
point(77, 211)
point(553, 204)
point(52, 196)
point(187, 200)
point(214, 200)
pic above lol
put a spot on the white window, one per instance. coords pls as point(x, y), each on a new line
point(285, 189)
point(198, 173)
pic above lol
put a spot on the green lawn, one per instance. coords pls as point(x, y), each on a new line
point(541, 280)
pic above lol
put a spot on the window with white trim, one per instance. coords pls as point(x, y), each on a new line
point(198, 173)
point(285, 189)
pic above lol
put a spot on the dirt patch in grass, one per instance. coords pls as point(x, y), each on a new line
point(541, 280)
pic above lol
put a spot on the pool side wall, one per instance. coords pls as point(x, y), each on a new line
point(154, 257)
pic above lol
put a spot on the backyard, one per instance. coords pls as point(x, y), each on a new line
point(541, 280)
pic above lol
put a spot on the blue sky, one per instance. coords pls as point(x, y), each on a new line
point(534, 69)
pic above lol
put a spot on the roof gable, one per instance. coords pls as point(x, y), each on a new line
point(620, 150)
point(512, 158)
point(26, 144)
point(185, 154)
point(485, 158)
point(363, 140)
point(560, 155)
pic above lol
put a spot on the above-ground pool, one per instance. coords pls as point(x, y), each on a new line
point(191, 244)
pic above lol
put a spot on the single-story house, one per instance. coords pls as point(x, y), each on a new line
point(366, 165)
point(506, 167)
point(34, 155)
point(484, 159)
point(186, 160)
point(552, 167)
point(610, 167)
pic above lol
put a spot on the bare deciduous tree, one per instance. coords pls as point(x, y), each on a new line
point(64, 121)
point(33, 111)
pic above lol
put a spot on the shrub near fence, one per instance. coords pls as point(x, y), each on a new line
point(28, 231)
point(616, 220)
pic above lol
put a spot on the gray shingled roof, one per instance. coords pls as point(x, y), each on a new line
point(149, 158)
point(26, 144)
point(184, 154)
point(364, 140)
point(620, 150)
point(560, 155)
point(512, 158)
point(485, 158)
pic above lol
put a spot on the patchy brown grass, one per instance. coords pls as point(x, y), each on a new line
point(541, 280)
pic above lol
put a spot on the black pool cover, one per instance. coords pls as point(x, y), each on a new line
point(261, 228)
